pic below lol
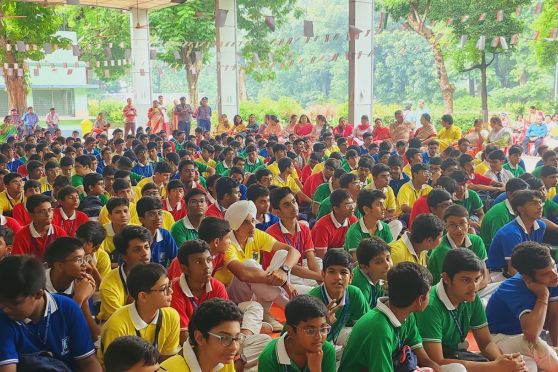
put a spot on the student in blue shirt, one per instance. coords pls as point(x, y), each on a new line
point(433, 151)
point(150, 214)
point(259, 195)
point(527, 226)
point(398, 178)
point(33, 320)
point(143, 166)
point(519, 310)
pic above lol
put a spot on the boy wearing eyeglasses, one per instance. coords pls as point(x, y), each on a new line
point(214, 339)
point(149, 316)
point(304, 346)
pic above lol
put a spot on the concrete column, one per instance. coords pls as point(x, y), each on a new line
point(141, 70)
point(361, 16)
point(227, 79)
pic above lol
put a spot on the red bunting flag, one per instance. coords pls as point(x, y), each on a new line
point(500, 16)
point(482, 17)
point(538, 7)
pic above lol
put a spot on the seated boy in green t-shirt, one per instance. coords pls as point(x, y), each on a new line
point(345, 303)
point(378, 337)
point(304, 346)
point(374, 262)
point(455, 308)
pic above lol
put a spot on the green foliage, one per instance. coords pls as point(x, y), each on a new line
point(111, 109)
point(284, 107)
point(546, 51)
point(532, 92)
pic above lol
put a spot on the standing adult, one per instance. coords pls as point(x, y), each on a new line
point(203, 115)
point(421, 110)
point(400, 129)
point(183, 112)
point(156, 119)
point(30, 121)
point(130, 115)
point(163, 108)
point(52, 120)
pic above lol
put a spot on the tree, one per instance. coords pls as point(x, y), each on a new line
point(546, 50)
point(39, 25)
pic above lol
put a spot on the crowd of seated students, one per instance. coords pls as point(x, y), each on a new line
point(295, 252)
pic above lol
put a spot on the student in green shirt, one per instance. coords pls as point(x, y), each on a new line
point(253, 161)
point(82, 167)
point(370, 276)
point(456, 220)
point(454, 309)
point(501, 213)
point(350, 162)
point(304, 346)
point(325, 189)
point(549, 176)
point(514, 157)
point(227, 162)
point(348, 181)
point(345, 303)
point(468, 198)
point(379, 335)
point(370, 204)
point(238, 161)
point(549, 158)
point(187, 227)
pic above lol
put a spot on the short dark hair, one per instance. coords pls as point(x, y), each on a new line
point(378, 169)
point(367, 197)
point(210, 314)
point(548, 170)
point(61, 248)
point(91, 232)
point(116, 202)
point(10, 177)
point(7, 234)
point(225, 186)
point(407, 281)
point(497, 155)
point(338, 196)
point(461, 259)
point(277, 194)
point(90, 180)
point(411, 152)
point(34, 201)
point(303, 308)
point(262, 172)
point(530, 256)
point(284, 163)
point(456, 210)
point(522, 197)
point(419, 167)
point(460, 176)
point(21, 276)
point(447, 118)
point(33, 164)
point(255, 191)
point(447, 164)
point(191, 247)
point(515, 150)
point(346, 179)
point(212, 228)
point(126, 351)
point(120, 184)
point(65, 191)
point(128, 233)
point(194, 192)
point(144, 276)
point(337, 257)
point(175, 184)
point(84, 160)
point(369, 248)
point(426, 226)
point(146, 204)
point(516, 184)
point(162, 167)
point(31, 184)
point(447, 183)
point(436, 197)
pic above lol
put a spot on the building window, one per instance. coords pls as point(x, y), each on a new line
point(61, 99)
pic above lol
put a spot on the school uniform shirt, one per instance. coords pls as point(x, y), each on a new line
point(482, 167)
point(126, 321)
point(389, 201)
point(7, 203)
point(178, 212)
point(354, 307)
point(510, 235)
point(328, 233)
point(420, 207)
point(10, 223)
point(402, 251)
point(113, 291)
point(312, 183)
point(365, 351)
point(397, 184)
point(472, 202)
point(216, 210)
point(408, 195)
point(515, 171)
point(288, 182)
point(163, 247)
point(301, 240)
point(14, 164)
point(323, 191)
point(221, 167)
point(20, 214)
point(183, 230)
point(29, 241)
point(371, 291)
point(497, 216)
point(144, 170)
point(502, 176)
point(509, 303)
point(269, 219)
point(68, 292)
point(255, 247)
point(188, 362)
point(358, 231)
point(185, 303)
point(252, 167)
point(275, 357)
point(103, 215)
point(274, 169)
point(68, 224)
point(441, 322)
point(62, 331)
point(101, 260)
point(91, 205)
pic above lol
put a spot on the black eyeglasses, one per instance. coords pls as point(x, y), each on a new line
point(227, 340)
point(166, 289)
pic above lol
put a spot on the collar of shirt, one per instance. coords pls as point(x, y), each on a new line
point(330, 184)
point(192, 361)
point(382, 307)
point(443, 296)
point(410, 182)
point(65, 217)
point(364, 229)
point(508, 205)
point(466, 244)
point(158, 236)
point(336, 223)
point(280, 179)
point(178, 205)
point(408, 244)
point(187, 224)
point(139, 323)
point(122, 272)
point(13, 200)
point(49, 287)
point(3, 220)
point(35, 234)
point(284, 230)
point(50, 306)
point(282, 355)
point(520, 223)
point(380, 281)
point(222, 209)
point(236, 244)
point(109, 229)
point(329, 299)
point(372, 186)
point(186, 289)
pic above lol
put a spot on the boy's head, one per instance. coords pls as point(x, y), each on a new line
point(263, 177)
point(549, 176)
point(381, 176)
point(371, 203)
point(133, 245)
point(374, 258)
point(514, 154)
point(31, 187)
point(283, 202)
point(91, 234)
point(93, 184)
point(6, 241)
point(150, 212)
point(456, 219)
point(196, 202)
point(39, 209)
point(420, 173)
point(462, 274)
point(82, 165)
point(306, 323)
point(196, 260)
point(427, 229)
point(148, 284)
point(409, 286)
point(528, 204)
point(216, 232)
point(259, 195)
point(515, 184)
point(534, 262)
point(122, 188)
point(496, 160)
point(413, 156)
point(228, 191)
point(66, 255)
point(118, 211)
point(342, 204)
point(131, 354)
point(175, 190)
point(337, 271)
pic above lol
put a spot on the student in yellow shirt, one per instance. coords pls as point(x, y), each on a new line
point(449, 134)
point(13, 194)
point(380, 181)
point(132, 244)
point(92, 234)
point(413, 156)
point(131, 353)
point(119, 217)
point(414, 189)
point(149, 316)
point(280, 152)
point(122, 189)
point(161, 177)
point(52, 170)
point(284, 179)
point(215, 339)
point(425, 235)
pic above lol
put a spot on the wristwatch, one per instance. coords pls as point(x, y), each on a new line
point(286, 268)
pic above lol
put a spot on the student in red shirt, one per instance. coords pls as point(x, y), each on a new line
point(19, 213)
point(438, 202)
point(306, 172)
point(10, 223)
point(330, 230)
point(315, 180)
point(174, 202)
point(67, 216)
point(228, 193)
point(478, 182)
point(35, 237)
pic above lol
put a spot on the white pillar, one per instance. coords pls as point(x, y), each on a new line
point(361, 16)
point(227, 76)
point(141, 70)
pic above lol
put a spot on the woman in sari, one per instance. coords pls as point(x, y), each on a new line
point(274, 128)
point(499, 135)
point(7, 130)
point(380, 133)
point(343, 128)
point(156, 118)
point(304, 127)
point(224, 126)
point(239, 125)
point(363, 127)
point(290, 128)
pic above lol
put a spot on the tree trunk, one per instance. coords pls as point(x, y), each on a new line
point(484, 94)
point(243, 91)
point(471, 87)
point(193, 67)
point(192, 87)
point(16, 88)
